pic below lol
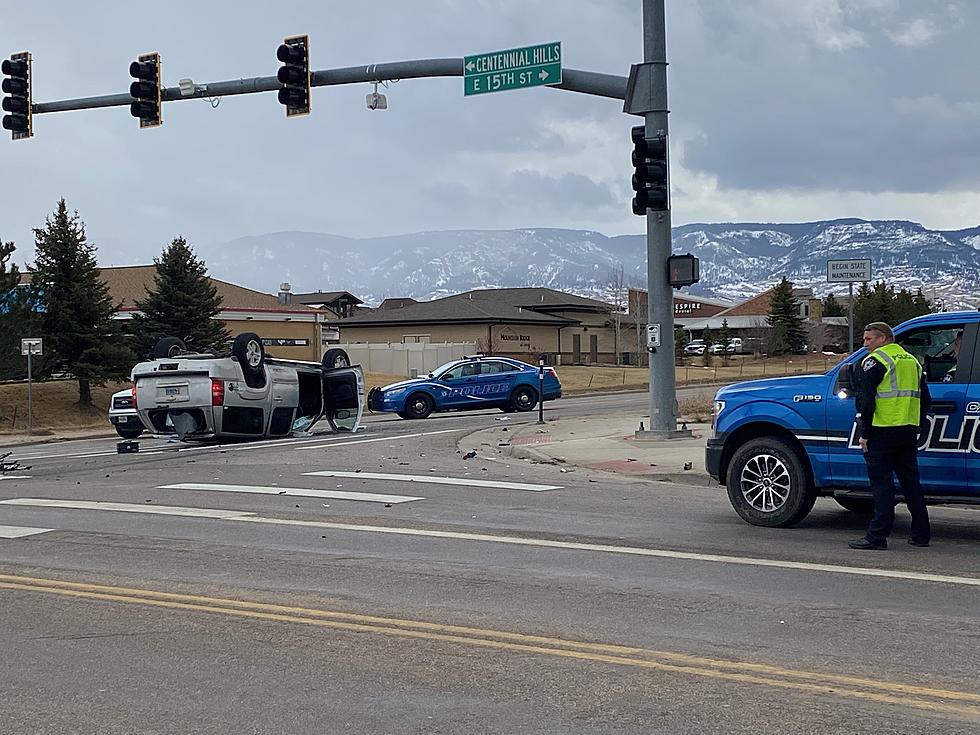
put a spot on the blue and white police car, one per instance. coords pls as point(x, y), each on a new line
point(470, 383)
point(780, 443)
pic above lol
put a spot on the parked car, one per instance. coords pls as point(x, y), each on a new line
point(123, 416)
point(244, 393)
point(474, 382)
point(695, 347)
point(733, 347)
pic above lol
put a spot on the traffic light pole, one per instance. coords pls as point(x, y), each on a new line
point(660, 297)
point(573, 80)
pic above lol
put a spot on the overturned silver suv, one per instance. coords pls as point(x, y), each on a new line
point(245, 394)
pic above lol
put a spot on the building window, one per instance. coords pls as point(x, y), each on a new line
point(424, 338)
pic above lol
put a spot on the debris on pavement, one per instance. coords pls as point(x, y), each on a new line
point(470, 455)
point(12, 465)
point(689, 465)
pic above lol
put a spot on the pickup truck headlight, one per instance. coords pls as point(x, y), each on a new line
point(716, 410)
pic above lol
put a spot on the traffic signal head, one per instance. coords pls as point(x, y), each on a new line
point(146, 91)
point(683, 270)
point(17, 95)
point(294, 75)
point(650, 172)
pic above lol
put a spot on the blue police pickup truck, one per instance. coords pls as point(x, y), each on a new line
point(780, 443)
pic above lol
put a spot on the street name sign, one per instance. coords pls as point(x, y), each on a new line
point(516, 68)
point(849, 271)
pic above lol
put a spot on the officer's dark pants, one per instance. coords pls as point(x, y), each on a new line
point(893, 450)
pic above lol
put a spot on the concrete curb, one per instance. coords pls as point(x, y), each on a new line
point(23, 439)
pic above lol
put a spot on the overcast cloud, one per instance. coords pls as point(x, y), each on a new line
point(781, 111)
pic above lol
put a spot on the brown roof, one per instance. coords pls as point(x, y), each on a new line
point(760, 305)
point(127, 284)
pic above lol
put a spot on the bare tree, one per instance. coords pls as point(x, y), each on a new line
point(617, 284)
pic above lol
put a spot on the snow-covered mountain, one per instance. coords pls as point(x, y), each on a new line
point(737, 260)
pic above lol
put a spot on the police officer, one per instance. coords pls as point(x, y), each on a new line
point(892, 402)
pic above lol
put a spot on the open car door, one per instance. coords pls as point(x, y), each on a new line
point(343, 397)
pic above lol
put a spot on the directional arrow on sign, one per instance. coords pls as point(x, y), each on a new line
point(542, 75)
point(469, 67)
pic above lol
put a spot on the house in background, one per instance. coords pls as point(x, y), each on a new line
point(288, 330)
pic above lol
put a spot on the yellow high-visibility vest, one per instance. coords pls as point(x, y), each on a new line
point(897, 397)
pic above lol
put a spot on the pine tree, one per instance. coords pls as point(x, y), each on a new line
point(708, 341)
point(724, 337)
point(832, 307)
point(788, 333)
point(13, 316)
point(80, 335)
point(922, 305)
point(182, 303)
point(680, 342)
point(903, 306)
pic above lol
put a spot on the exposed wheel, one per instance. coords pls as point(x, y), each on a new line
point(404, 415)
point(768, 484)
point(248, 348)
point(418, 406)
point(864, 506)
point(168, 347)
point(127, 433)
point(335, 358)
point(524, 399)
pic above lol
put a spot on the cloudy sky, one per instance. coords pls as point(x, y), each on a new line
point(781, 111)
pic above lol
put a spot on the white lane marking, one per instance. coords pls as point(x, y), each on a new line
point(15, 477)
point(164, 510)
point(246, 517)
point(435, 480)
point(21, 531)
point(300, 491)
point(392, 438)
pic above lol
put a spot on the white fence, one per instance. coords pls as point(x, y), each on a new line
point(410, 359)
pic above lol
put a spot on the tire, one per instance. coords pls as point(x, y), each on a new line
point(768, 484)
point(249, 351)
point(168, 347)
point(335, 358)
point(418, 406)
point(129, 433)
point(863, 506)
point(507, 409)
point(524, 399)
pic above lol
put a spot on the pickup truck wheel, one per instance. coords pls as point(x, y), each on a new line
point(168, 347)
point(418, 406)
point(768, 485)
point(864, 506)
point(248, 348)
point(335, 358)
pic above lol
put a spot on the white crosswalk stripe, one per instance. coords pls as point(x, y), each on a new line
point(297, 491)
point(21, 531)
point(436, 480)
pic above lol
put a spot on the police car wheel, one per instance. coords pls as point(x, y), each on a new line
point(524, 399)
point(418, 406)
point(767, 484)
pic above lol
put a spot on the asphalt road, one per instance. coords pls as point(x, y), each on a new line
point(217, 589)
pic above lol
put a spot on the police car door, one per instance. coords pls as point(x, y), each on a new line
point(943, 451)
point(493, 383)
point(460, 383)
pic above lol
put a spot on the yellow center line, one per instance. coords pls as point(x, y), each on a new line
point(743, 672)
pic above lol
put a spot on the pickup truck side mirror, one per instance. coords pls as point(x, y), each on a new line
point(846, 381)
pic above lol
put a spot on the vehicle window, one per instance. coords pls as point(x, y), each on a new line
point(493, 366)
point(470, 369)
point(438, 372)
point(455, 374)
point(937, 350)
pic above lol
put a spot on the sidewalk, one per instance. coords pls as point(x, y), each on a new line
point(600, 444)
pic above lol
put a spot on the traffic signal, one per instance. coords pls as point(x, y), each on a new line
point(17, 95)
point(683, 270)
point(650, 181)
point(146, 90)
point(294, 75)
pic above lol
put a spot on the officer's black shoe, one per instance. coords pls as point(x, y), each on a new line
point(864, 545)
point(913, 542)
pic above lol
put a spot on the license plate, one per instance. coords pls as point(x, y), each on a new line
point(173, 391)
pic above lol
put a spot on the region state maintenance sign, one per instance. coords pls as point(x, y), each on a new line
point(516, 68)
point(849, 271)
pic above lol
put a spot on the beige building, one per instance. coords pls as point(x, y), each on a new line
point(288, 330)
point(524, 323)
